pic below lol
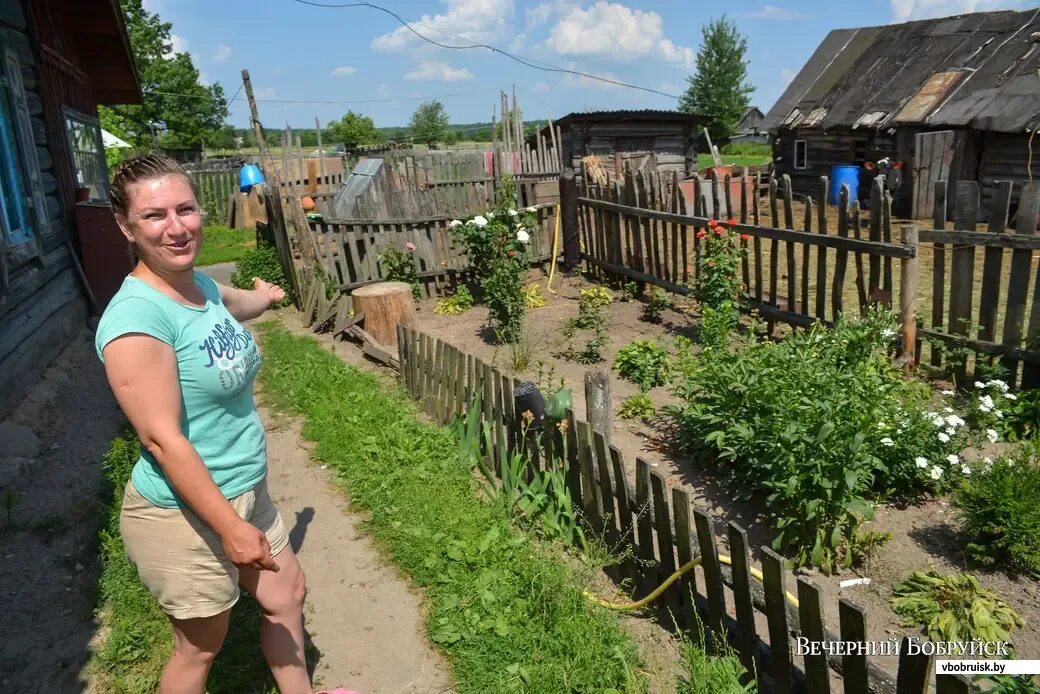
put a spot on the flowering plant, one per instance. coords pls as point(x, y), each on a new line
point(719, 291)
point(399, 266)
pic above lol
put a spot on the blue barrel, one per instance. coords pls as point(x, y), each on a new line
point(847, 174)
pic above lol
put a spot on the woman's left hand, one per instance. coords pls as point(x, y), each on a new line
point(273, 292)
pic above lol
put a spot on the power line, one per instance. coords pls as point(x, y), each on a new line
point(489, 47)
point(343, 101)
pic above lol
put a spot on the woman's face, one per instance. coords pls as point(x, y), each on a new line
point(163, 223)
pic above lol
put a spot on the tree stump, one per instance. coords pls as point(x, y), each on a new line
point(385, 305)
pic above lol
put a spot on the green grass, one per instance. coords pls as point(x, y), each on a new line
point(508, 615)
point(704, 161)
point(130, 658)
point(225, 245)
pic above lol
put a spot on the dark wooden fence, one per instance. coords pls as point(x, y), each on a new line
point(664, 530)
point(960, 284)
point(647, 231)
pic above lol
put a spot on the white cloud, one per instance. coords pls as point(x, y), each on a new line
point(774, 12)
point(177, 45)
point(442, 72)
point(546, 11)
point(906, 10)
point(264, 93)
point(222, 54)
point(464, 20)
point(343, 71)
point(614, 30)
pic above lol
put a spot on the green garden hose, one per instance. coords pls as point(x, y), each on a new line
point(635, 605)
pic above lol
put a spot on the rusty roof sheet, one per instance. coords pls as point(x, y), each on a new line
point(977, 70)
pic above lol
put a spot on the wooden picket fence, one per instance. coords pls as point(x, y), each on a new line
point(657, 529)
point(647, 231)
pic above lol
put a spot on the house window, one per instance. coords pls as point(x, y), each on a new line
point(88, 153)
point(15, 217)
point(801, 152)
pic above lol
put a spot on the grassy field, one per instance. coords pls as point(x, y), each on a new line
point(224, 245)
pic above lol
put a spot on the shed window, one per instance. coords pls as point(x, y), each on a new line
point(801, 154)
point(88, 153)
point(15, 218)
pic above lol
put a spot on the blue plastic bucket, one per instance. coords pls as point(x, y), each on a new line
point(847, 174)
point(249, 176)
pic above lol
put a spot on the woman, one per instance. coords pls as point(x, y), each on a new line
point(197, 519)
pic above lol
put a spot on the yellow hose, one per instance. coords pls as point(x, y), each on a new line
point(555, 251)
point(629, 605)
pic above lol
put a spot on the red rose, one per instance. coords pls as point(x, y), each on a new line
point(744, 237)
point(712, 222)
point(731, 221)
point(512, 254)
point(720, 231)
point(701, 234)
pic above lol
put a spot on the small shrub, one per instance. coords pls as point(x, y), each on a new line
point(532, 296)
point(644, 363)
point(998, 506)
point(592, 352)
point(547, 379)
point(638, 406)
point(629, 292)
point(503, 294)
point(260, 262)
point(655, 305)
point(594, 297)
point(953, 608)
point(459, 302)
point(399, 266)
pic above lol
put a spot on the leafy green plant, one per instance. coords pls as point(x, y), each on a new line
point(713, 674)
point(655, 305)
point(644, 363)
point(260, 262)
point(547, 379)
point(590, 316)
point(720, 264)
point(1011, 684)
point(399, 266)
point(594, 297)
point(998, 506)
point(629, 292)
point(532, 296)
point(459, 302)
point(1023, 415)
point(503, 294)
point(953, 608)
point(592, 351)
point(820, 425)
point(638, 406)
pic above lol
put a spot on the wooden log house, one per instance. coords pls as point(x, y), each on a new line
point(60, 59)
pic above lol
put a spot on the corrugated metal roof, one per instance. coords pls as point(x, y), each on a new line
point(632, 114)
point(854, 75)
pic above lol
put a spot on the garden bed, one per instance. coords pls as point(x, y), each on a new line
point(924, 534)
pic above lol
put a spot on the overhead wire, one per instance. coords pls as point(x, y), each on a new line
point(494, 49)
point(339, 101)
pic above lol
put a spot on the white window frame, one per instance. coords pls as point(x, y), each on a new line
point(101, 171)
point(805, 154)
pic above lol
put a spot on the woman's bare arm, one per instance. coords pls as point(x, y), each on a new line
point(245, 304)
point(142, 372)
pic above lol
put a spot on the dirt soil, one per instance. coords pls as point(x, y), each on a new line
point(364, 619)
point(925, 534)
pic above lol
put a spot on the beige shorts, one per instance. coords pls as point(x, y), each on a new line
point(181, 560)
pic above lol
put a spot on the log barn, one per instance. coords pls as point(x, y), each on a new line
point(954, 99)
point(61, 58)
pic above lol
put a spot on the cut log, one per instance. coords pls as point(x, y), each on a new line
point(385, 305)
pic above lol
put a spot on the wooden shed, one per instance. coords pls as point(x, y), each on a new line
point(61, 58)
point(952, 99)
point(665, 139)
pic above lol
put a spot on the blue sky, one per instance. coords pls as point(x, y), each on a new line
point(356, 55)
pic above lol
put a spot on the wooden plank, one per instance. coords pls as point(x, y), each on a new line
point(1012, 354)
point(773, 586)
point(962, 268)
point(487, 402)
point(876, 194)
point(745, 265)
point(498, 424)
point(853, 628)
point(648, 576)
point(665, 547)
point(774, 252)
point(861, 284)
point(914, 669)
point(508, 413)
point(676, 231)
point(624, 510)
point(804, 293)
point(712, 569)
point(686, 616)
point(1021, 269)
point(589, 493)
point(606, 491)
point(838, 286)
point(821, 252)
point(938, 266)
point(740, 564)
point(1000, 205)
point(792, 271)
point(810, 614)
point(984, 239)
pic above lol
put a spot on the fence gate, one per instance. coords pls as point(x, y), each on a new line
point(934, 154)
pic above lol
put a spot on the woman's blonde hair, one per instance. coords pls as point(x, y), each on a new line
point(143, 168)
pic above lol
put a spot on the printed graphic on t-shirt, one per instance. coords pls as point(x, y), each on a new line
point(232, 351)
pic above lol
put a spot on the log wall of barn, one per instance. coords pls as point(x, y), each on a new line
point(673, 144)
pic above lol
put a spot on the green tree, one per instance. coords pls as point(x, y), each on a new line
point(178, 110)
point(429, 123)
point(352, 130)
point(719, 88)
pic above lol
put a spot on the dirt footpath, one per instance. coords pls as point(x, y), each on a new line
point(364, 619)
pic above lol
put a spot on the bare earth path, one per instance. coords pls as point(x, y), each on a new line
point(364, 619)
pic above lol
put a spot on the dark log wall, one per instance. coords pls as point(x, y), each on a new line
point(45, 307)
point(673, 145)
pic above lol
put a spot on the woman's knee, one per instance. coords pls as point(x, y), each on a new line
point(200, 639)
point(286, 596)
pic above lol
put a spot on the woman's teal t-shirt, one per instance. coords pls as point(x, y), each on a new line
point(217, 361)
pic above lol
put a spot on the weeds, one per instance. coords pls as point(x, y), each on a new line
point(655, 305)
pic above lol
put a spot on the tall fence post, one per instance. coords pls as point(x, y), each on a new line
point(597, 402)
point(569, 221)
point(907, 294)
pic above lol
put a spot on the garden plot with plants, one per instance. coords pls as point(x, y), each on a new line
point(814, 442)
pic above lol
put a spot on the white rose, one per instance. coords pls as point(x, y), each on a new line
point(454, 223)
point(954, 421)
point(921, 462)
point(522, 236)
point(944, 437)
point(947, 392)
point(980, 384)
point(1011, 396)
point(953, 458)
point(887, 442)
point(996, 383)
point(480, 221)
point(532, 209)
point(935, 472)
point(512, 213)
point(992, 435)
point(966, 470)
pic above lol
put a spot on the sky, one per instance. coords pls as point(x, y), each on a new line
point(364, 60)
